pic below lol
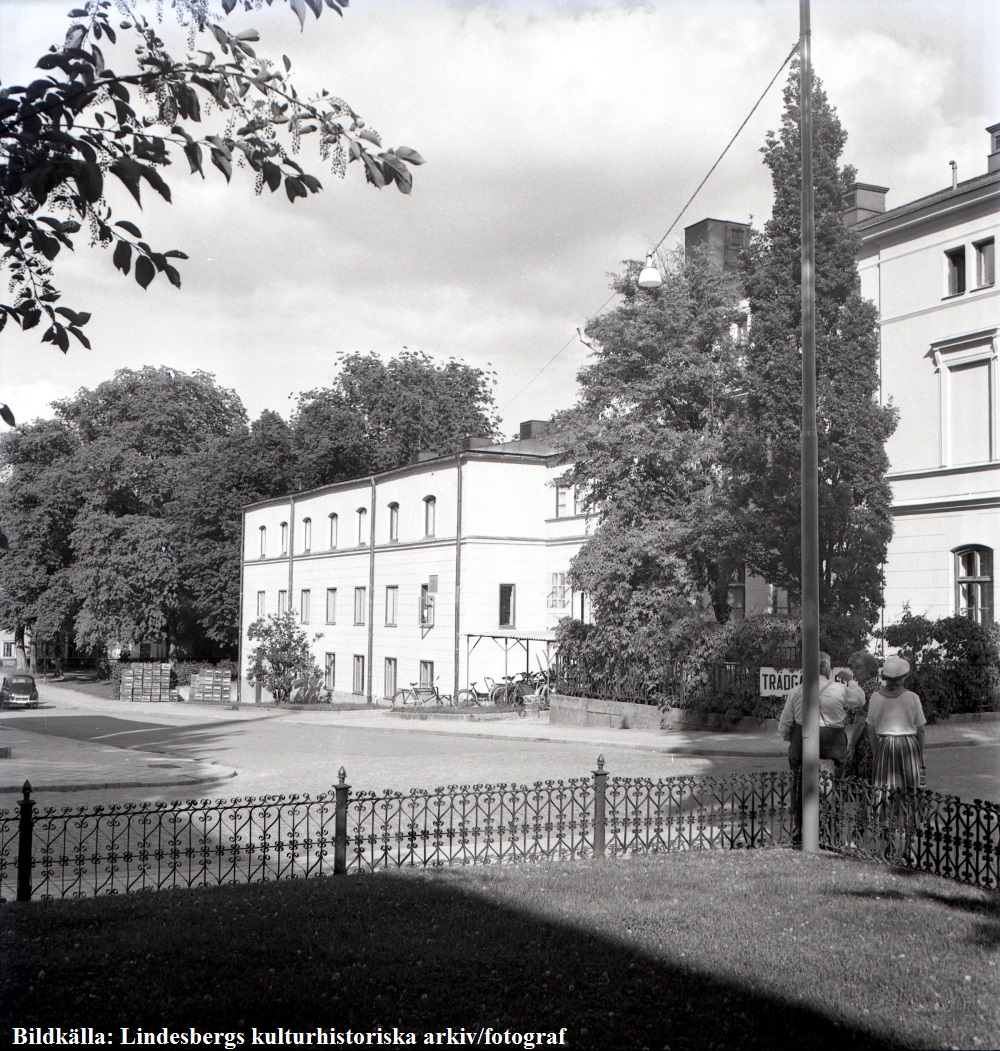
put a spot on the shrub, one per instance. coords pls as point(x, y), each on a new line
point(955, 662)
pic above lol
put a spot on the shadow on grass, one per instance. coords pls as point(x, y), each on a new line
point(417, 951)
point(985, 934)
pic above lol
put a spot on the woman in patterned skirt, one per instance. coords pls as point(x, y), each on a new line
point(896, 733)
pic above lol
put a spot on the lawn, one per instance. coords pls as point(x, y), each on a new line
point(729, 949)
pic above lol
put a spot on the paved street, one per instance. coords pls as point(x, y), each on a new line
point(170, 751)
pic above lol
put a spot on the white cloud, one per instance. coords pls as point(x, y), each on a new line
point(560, 139)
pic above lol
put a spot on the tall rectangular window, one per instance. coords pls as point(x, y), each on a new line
point(305, 598)
point(427, 673)
point(970, 412)
point(331, 605)
point(307, 534)
point(389, 685)
point(261, 603)
point(8, 649)
point(736, 594)
point(985, 262)
point(506, 605)
point(558, 592)
point(426, 607)
point(360, 602)
point(282, 603)
point(358, 684)
point(955, 262)
point(430, 515)
point(974, 583)
point(334, 520)
point(562, 501)
point(393, 523)
point(329, 671)
point(263, 541)
point(362, 526)
point(391, 599)
point(284, 538)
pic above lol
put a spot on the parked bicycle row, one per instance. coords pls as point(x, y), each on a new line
point(509, 691)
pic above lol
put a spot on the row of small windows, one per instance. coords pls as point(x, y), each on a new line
point(362, 530)
point(984, 264)
point(390, 674)
point(425, 607)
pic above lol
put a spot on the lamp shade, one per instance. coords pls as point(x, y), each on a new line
point(650, 275)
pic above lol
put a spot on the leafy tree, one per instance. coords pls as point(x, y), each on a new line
point(66, 135)
point(644, 444)
point(376, 414)
point(39, 499)
point(228, 473)
point(282, 659)
point(763, 438)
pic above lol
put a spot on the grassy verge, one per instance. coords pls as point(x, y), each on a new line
point(708, 949)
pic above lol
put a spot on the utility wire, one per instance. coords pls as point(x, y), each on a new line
point(656, 247)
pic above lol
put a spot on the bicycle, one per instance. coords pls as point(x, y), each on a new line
point(511, 692)
point(471, 697)
point(418, 694)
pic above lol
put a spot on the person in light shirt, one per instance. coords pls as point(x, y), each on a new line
point(835, 700)
point(896, 729)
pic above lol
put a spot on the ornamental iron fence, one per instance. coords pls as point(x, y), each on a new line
point(74, 852)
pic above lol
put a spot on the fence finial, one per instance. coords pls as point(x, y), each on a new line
point(600, 762)
point(341, 775)
point(26, 789)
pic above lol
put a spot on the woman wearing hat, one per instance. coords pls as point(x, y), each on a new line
point(896, 730)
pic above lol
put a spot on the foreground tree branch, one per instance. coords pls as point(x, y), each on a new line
point(64, 136)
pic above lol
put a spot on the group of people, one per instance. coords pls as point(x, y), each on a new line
point(870, 726)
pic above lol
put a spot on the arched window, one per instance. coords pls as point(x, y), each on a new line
point(974, 583)
point(307, 534)
point(263, 541)
point(333, 531)
point(284, 538)
point(430, 513)
point(362, 526)
point(393, 523)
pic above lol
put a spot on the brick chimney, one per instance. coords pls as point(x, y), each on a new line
point(864, 201)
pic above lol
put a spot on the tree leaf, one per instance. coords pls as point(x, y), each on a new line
point(299, 7)
point(7, 416)
point(123, 256)
point(408, 155)
point(129, 228)
point(144, 270)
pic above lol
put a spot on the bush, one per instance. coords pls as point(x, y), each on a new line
point(955, 662)
point(722, 670)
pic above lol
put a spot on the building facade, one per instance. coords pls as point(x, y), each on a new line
point(929, 266)
point(446, 571)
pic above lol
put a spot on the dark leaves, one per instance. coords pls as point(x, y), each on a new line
point(144, 270)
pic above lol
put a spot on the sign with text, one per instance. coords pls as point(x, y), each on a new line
point(779, 682)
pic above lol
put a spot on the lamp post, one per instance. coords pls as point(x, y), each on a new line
point(650, 277)
point(809, 461)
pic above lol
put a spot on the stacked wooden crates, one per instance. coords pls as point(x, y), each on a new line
point(212, 684)
point(146, 682)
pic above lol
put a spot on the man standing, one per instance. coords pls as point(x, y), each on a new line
point(835, 700)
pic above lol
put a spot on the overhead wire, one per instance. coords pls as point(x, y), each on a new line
point(656, 247)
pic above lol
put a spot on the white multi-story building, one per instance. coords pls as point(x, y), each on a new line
point(930, 268)
point(446, 571)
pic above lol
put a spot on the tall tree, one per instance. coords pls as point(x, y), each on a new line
point(644, 443)
point(138, 436)
point(376, 414)
point(39, 498)
point(762, 450)
point(65, 135)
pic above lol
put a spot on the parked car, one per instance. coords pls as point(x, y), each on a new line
point(18, 691)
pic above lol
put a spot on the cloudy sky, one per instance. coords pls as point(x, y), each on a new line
point(560, 139)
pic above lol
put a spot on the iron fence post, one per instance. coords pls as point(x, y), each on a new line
point(340, 824)
point(600, 785)
point(24, 838)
